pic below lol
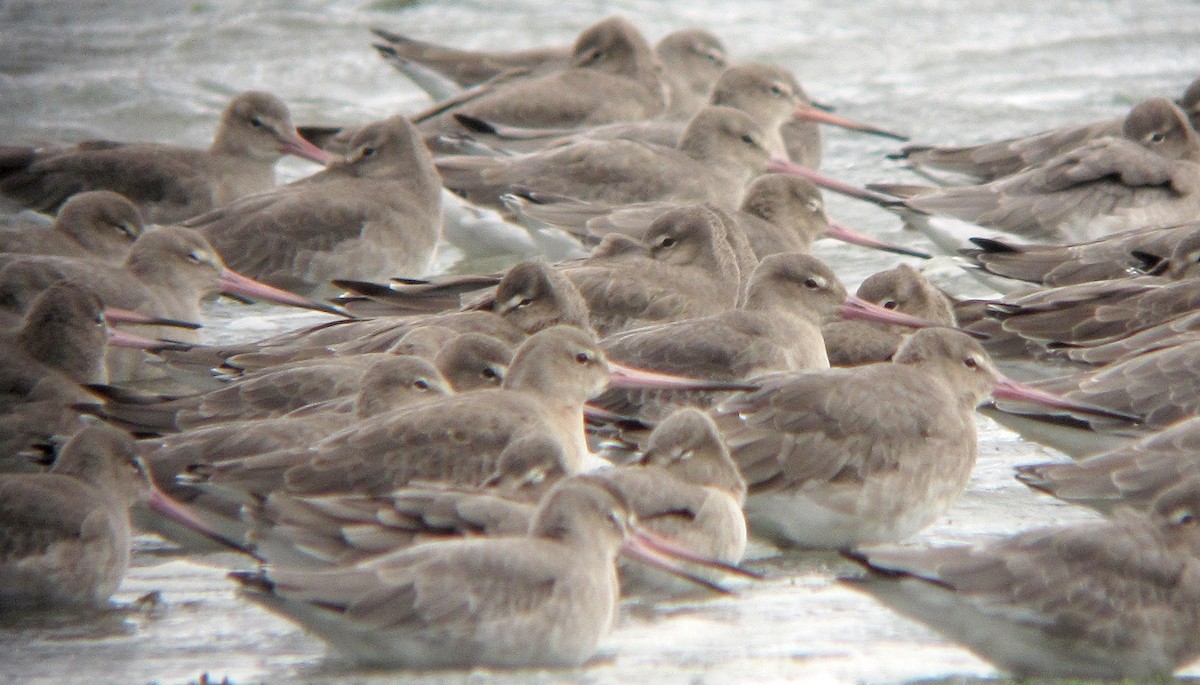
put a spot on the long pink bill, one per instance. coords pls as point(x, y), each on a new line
point(854, 307)
point(297, 145)
point(166, 506)
point(233, 283)
point(784, 166)
point(1008, 389)
point(621, 376)
point(120, 338)
point(114, 315)
point(822, 116)
point(636, 548)
point(667, 546)
point(839, 232)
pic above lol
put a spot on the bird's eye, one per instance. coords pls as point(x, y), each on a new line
point(583, 357)
point(667, 242)
point(257, 123)
point(814, 282)
point(971, 363)
point(489, 372)
point(195, 257)
point(1157, 137)
point(525, 302)
point(747, 138)
point(889, 304)
point(1182, 517)
point(776, 90)
point(367, 152)
point(614, 517)
point(421, 384)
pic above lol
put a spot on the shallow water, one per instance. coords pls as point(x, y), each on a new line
point(939, 70)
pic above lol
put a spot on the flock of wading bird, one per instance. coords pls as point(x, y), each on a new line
point(445, 474)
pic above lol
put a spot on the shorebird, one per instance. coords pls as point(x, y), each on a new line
point(1098, 312)
point(529, 297)
point(720, 151)
point(168, 272)
point(97, 224)
point(543, 599)
point(1136, 252)
point(345, 529)
point(778, 213)
point(57, 346)
point(769, 94)
point(467, 362)
point(1148, 177)
point(692, 59)
point(1109, 600)
point(1144, 393)
point(872, 454)
point(776, 327)
point(64, 534)
point(686, 265)
point(388, 384)
point(613, 76)
point(991, 161)
point(686, 487)
point(900, 289)
point(167, 183)
point(458, 439)
point(1132, 476)
point(46, 358)
point(373, 214)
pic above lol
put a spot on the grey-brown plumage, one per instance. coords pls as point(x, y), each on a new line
point(846, 457)
point(1131, 476)
point(613, 76)
point(97, 224)
point(58, 345)
point(692, 59)
point(901, 288)
point(269, 393)
point(1160, 387)
point(64, 534)
point(767, 94)
point(1147, 177)
point(374, 214)
point(467, 362)
point(1136, 252)
point(387, 384)
point(990, 161)
point(689, 263)
point(1177, 331)
point(1096, 312)
point(778, 213)
point(686, 487)
point(168, 272)
point(721, 150)
point(342, 529)
point(1110, 600)
point(458, 439)
point(685, 268)
point(777, 327)
point(544, 599)
point(530, 297)
point(167, 183)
